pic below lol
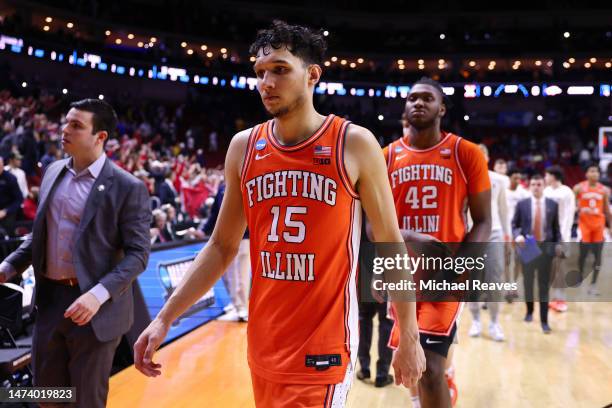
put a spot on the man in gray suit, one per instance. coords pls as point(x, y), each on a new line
point(89, 241)
point(538, 217)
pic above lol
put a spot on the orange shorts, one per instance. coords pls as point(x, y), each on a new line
point(435, 318)
point(591, 233)
point(270, 394)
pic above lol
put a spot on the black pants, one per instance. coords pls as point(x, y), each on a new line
point(67, 355)
point(585, 248)
point(541, 265)
point(367, 311)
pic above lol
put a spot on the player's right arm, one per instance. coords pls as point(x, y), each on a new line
point(207, 267)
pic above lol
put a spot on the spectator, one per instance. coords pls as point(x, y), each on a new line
point(584, 158)
point(164, 189)
point(161, 232)
point(10, 201)
point(14, 167)
point(27, 147)
point(213, 142)
point(50, 156)
point(30, 204)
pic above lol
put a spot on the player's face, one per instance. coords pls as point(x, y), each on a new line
point(549, 179)
point(536, 187)
point(284, 81)
point(592, 174)
point(515, 179)
point(501, 168)
point(78, 138)
point(424, 106)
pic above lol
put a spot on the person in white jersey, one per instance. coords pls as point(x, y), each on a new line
point(501, 167)
point(494, 265)
point(566, 199)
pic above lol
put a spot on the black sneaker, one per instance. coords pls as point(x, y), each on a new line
point(528, 317)
point(363, 375)
point(546, 328)
point(383, 381)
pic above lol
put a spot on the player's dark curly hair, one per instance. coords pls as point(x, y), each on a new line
point(428, 81)
point(303, 42)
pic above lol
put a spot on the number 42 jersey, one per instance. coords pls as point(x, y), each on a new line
point(304, 221)
point(431, 186)
point(430, 190)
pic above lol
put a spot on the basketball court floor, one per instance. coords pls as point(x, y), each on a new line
point(572, 367)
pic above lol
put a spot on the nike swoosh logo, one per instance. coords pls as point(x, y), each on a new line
point(400, 157)
point(430, 341)
point(258, 157)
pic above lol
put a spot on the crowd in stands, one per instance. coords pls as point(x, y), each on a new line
point(179, 181)
point(178, 151)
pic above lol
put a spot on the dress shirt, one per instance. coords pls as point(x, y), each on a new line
point(63, 219)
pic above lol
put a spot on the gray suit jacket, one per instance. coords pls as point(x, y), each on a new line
point(111, 247)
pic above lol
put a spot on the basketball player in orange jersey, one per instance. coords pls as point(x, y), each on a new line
point(298, 181)
point(435, 177)
point(593, 200)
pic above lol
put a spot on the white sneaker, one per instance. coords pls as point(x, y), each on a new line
point(230, 316)
point(475, 329)
point(593, 290)
point(229, 308)
point(243, 316)
point(496, 332)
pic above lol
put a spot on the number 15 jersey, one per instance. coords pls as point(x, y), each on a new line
point(304, 221)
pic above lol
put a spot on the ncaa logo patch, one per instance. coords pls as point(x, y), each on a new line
point(261, 144)
point(399, 149)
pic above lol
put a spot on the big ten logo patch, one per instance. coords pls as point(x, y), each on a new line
point(321, 160)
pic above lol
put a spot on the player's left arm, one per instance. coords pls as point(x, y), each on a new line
point(367, 171)
point(474, 166)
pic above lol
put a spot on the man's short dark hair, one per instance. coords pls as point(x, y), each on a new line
point(556, 172)
point(104, 116)
point(303, 42)
point(513, 171)
point(594, 165)
point(536, 176)
point(433, 83)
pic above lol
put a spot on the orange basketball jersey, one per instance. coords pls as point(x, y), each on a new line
point(430, 189)
point(304, 220)
point(591, 205)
